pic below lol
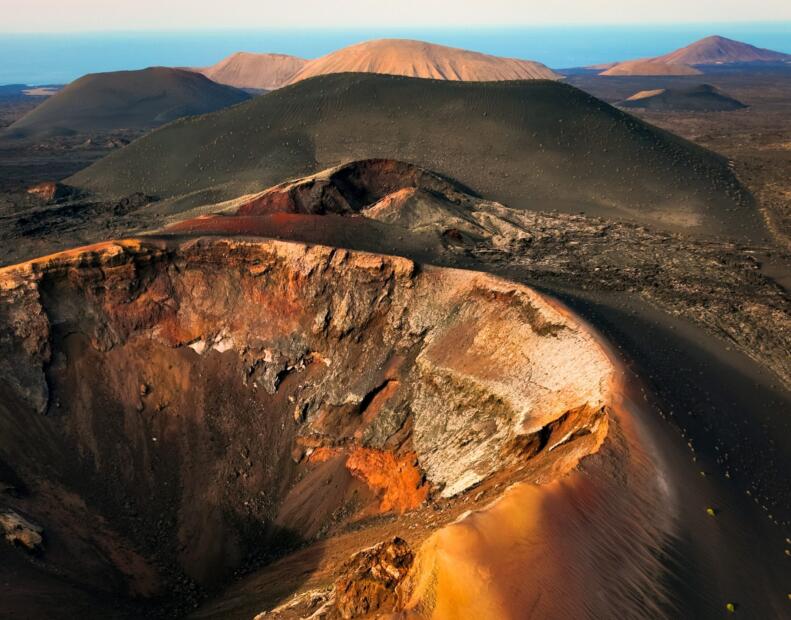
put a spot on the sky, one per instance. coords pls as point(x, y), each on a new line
point(25, 16)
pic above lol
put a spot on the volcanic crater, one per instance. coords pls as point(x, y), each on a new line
point(177, 412)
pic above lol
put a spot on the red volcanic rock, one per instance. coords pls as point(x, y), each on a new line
point(347, 189)
point(369, 580)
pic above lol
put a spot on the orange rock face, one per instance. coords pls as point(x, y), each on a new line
point(397, 479)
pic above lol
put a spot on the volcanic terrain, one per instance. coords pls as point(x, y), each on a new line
point(540, 141)
point(269, 409)
point(379, 346)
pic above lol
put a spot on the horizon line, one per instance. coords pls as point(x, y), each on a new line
point(397, 27)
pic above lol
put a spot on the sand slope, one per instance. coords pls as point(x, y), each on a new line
point(258, 71)
point(426, 60)
point(127, 100)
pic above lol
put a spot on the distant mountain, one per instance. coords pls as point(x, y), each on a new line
point(719, 50)
point(714, 50)
point(699, 98)
point(127, 100)
point(423, 60)
point(254, 71)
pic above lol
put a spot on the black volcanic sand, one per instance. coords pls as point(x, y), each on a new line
point(125, 100)
point(532, 145)
point(722, 426)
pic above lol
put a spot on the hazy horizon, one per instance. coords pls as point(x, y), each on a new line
point(82, 15)
point(55, 58)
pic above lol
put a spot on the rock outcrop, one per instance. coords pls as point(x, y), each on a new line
point(17, 530)
point(368, 583)
point(49, 191)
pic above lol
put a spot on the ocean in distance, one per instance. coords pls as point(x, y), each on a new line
point(59, 58)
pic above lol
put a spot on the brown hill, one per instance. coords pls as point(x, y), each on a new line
point(258, 71)
point(717, 50)
point(425, 60)
point(714, 50)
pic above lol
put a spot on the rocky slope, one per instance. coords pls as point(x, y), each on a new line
point(468, 566)
point(716, 285)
